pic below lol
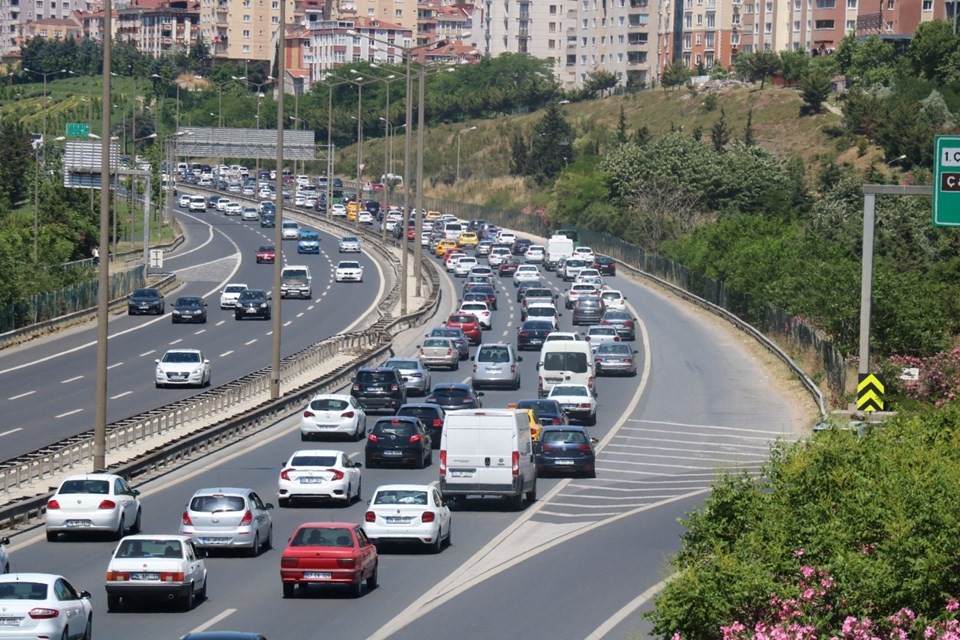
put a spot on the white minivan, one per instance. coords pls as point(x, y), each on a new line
point(487, 452)
point(566, 362)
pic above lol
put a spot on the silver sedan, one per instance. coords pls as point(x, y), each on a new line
point(615, 358)
point(416, 377)
point(349, 244)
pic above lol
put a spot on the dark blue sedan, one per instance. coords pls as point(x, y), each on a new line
point(566, 449)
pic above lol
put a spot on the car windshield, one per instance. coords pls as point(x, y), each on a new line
point(218, 503)
point(474, 306)
point(309, 235)
point(462, 319)
point(378, 377)
point(575, 437)
point(427, 413)
point(569, 390)
point(101, 487)
point(576, 263)
point(188, 302)
point(402, 364)
point(536, 292)
point(565, 361)
point(290, 225)
point(349, 239)
point(493, 354)
point(322, 537)
point(391, 496)
point(448, 333)
point(613, 349)
point(348, 265)
point(443, 343)
point(180, 357)
point(21, 590)
point(252, 295)
point(266, 248)
point(329, 404)
point(235, 288)
point(147, 548)
point(313, 460)
point(400, 428)
point(145, 293)
point(538, 405)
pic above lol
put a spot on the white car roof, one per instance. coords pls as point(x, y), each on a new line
point(330, 396)
point(157, 536)
point(29, 577)
point(197, 351)
point(406, 487)
point(91, 476)
point(316, 452)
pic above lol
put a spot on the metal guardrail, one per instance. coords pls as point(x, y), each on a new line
point(65, 455)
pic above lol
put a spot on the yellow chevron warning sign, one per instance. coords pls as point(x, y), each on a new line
point(870, 392)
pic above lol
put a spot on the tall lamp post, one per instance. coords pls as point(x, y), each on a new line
point(459, 133)
point(46, 105)
point(259, 86)
point(328, 81)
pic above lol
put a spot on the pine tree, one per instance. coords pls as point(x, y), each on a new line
point(748, 138)
point(519, 155)
point(720, 133)
point(622, 136)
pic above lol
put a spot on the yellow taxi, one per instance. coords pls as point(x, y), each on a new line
point(443, 245)
point(432, 216)
point(353, 207)
point(535, 426)
point(468, 239)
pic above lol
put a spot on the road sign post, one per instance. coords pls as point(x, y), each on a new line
point(946, 181)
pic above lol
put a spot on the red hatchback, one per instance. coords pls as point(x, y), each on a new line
point(266, 253)
point(468, 323)
point(328, 553)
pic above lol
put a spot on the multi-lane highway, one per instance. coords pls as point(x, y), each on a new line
point(48, 385)
point(562, 568)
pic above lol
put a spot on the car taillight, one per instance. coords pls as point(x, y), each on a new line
point(628, 323)
point(356, 387)
point(171, 576)
point(372, 438)
point(247, 519)
point(289, 562)
point(584, 405)
point(118, 576)
point(583, 447)
point(337, 474)
point(428, 516)
point(347, 414)
point(370, 516)
point(516, 463)
point(421, 352)
point(346, 563)
point(513, 368)
point(308, 414)
point(393, 387)
point(548, 447)
point(185, 520)
point(449, 353)
point(443, 462)
point(628, 360)
point(107, 504)
point(285, 474)
point(437, 422)
point(53, 504)
point(42, 613)
point(590, 382)
point(587, 338)
point(415, 437)
point(557, 421)
point(474, 368)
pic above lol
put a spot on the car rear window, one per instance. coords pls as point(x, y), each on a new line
point(424, 413)
point(216, 504)
point(575, 437)
point(401, 497)
point(322, 537)
point(565, 361)
point(450, 393)
point(462, 318)
point(541, 312)
point(101, 487)
point(377, 377)
point(313, 461)
point(493, 354)
point(402, 364)
point(21, 590)
point(437, 342)
point(391, 428)
point(140, 548)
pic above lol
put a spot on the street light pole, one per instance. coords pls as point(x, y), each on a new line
point(46, 105)
point(418, 210)
point(459, 133)
point(278, 235)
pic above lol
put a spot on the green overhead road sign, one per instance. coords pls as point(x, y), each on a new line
point(946, 181)
point(78, 129)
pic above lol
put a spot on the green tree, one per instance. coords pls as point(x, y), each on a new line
point(622, 135)
point(758, 65)
point(551, 144)
point(815, 88)
point(676, 74)
point(720, 132)
point(519, 155)
point(749, 138)
point(16, 159)
point(932, 44)
point(642, 136)
point(794, 64)
point(599, 81)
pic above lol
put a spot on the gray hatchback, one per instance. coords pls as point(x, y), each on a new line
point(496, 365)
point(588, 310)
point(228, 518)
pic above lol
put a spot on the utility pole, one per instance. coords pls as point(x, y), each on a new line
point(278, 229)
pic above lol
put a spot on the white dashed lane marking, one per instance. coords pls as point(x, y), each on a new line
point(177, 341)
point(249, 342)
point(68, 413)
point(146, 353)
point(226, 353)
point(73, 379)
point(113, 366)
point(196, 333)
point(120, 395)
point(22, 395)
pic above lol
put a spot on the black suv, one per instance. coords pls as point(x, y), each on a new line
point(379, 388)
point(252, 303)
point(401, 440)
point(146, 300)
point(588, 310)
point(189, 309)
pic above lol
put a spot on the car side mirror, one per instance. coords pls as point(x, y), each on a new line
point(135, 492)
point(269, 297)
point(4, 540)
point(85, 595)
point(157, 360)
point(357, 465)
point(594, 441)
point(480, 394)
point(206, 362)
point(269, 506)
point(635, 351)
point(538, 366)
point(519, 358)
point(202, 553)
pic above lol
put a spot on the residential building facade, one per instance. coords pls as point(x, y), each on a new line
point(243, 29)
point(159, 27)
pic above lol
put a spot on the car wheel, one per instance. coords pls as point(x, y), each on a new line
point(255, 549)
point(372, 579)
point(516, 502)
point(450, 533)
point(113, 602)
point(591, 421)
point(189, 599)
point(532, 494)
point(430, 457)
point(269, 543)
point(437, 545)
point(590, 474)
point(283, 502)
point(360, 433)
point(237, 316)
point(52, 536)
point(421, 462)
point(288, 589)
point(202, 595)
point(88, 631)
point(120, 529)
point(356, 589)
point(174, 320)
point(137, 523)
point(455, 366)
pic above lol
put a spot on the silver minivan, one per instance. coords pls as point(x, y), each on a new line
point(496, 365)
point(228, 518)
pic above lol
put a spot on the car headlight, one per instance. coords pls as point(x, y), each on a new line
point(176, 312)
point(263, 305)
point(159, 371)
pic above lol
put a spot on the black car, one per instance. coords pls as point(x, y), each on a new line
point(145, 300)
point(189, 309)
point(455, 334)
point(520, 246)
point(548, 412)
point(606, 265)
point(268, 220)
point(431, 415)
point(623, 321)
point(588, 310)
point(373, 207)
point(398, 440)
point(455, 395)
point(252, 303)
point(212, 202)
point(566, 449)
point(379, 388)
point(509, 266)
point(532, 333)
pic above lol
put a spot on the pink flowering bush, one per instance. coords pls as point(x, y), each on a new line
point(939, 380)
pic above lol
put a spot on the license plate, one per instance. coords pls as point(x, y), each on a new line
point(397, 520)
point(77, 523)
point(251, 310)
point(313, 575)
point(214, 540)
point(9, 622)
point(461, 474)
point(563, 462)
point(311, 480)
point(144, 576)
point(392, 453)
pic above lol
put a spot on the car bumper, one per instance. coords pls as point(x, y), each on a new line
point(256, 313)
point(228, 304)
point(82, 521)
point(335, 490)
point(401, 534)
point(440, 362)
point(135, 311)
point(132, 589)
point(295, 293)
point(530, 343)
point(393, 456)
point(469, 488)
point(190, 380)
point(266, 259)
point(375, 403)
point(296, 576)
point(308, 250)
point(564, 465)
point(615, 367)
point(317, 428)
point(349, 277)
point(220, 539)
point(481, 382)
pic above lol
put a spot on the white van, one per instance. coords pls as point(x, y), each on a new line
point(197, 203)
point(567, 362)
point(452, 230)
point(487, 452)
point(558, 247)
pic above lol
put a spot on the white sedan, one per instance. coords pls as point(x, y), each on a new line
point(43, 605)
point(149, 566)
point(222, 204)
point(333, 414)
point(408, 513)
point(4, 555)
point(479, 309)
point(464, 265)
point(183, 367)
point(93, 502)
point(348, 271)
point(319, 474)
point(536, 253)
point(543, 311)
point(365, 217)
point(230, 294)
point(584, 253)
point(614, 300)
point(233, 209)
point(337, 210)
point(577, 402)
point(526, 273)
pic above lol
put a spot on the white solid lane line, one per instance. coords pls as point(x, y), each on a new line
point(225, 353)
point(146, 353)
point(120, 395)
point(68, 413)
point(214, 620)
point(73, 379)
point(22, 395)
point(8, 432)
point(113, 366)
point(249, 342)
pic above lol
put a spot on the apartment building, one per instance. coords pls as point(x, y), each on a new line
point(15, 14)
point(243, 29)
point(331, 46)
point(158, 27)
point(395, 12)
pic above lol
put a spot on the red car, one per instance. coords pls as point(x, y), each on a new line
point(266, 253)
point(328, 553)
point(509, 266)
point(468, 323)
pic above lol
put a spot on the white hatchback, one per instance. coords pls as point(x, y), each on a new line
point(526, 273)
point(43, 605)
point(230, 294)
point(151, 566)
point(93, 502)
point(319, 474)
point(333, 414)
point(480, 310)
point(408, 513)
point(613, 300)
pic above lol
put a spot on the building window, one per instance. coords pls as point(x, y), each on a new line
point(553, 9)
point(621, 21)
point(796, 26)
point(246, 33)
point(851, 4)
point(699, 19)
point(768, 27)
point(585, 24)
point(686, 59)
point(687, 20)
point(711, 40)
point(823, 25)
point(699, 60)
point(928, 5)
point(246, 48)
point(769, 7)
point(551, 44)
point(890, 4)
point(826, 4)
point(398, 13)
point(687, 42)
point(797, 5)
point(246, 18)
point(851, 26)
point(734, 39)
point(699, 39)
point(711, 20)
point(552, 27)
point(275, 20)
